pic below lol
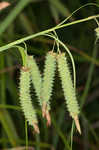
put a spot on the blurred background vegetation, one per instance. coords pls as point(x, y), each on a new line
point(25, 17)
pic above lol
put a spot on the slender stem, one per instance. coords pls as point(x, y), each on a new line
point(72, 131)
point(60, 134)
point(88, 4)
point(70, 55)
point(26, 132)
point(45, 31)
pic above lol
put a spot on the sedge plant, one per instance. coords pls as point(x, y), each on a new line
point(44, 85)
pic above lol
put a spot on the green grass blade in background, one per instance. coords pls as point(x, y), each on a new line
point(5, 118)
point(61, 8)
point(90, 75)
point(37, 141)
point(26, 23)
point(8, 126)
point(61, 135)
point(12, 15)
point(92, 131)
point(2, 81)
point(59, 122)
point(3, 90)
point(55, 13)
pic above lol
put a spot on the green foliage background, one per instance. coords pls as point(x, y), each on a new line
point(23, 18)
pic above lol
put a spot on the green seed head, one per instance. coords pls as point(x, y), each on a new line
point(48, 78)
point(35, 76)
point(67, 85)
point(25, 98)
point(47, 84)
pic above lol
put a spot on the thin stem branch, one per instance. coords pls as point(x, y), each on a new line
point(2, 48)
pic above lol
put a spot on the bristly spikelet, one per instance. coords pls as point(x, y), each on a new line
point(47, 84)
point(25, 99)
point(35, 76)
point(67, 85)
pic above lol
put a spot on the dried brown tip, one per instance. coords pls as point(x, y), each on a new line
point(46, 114)
point(36, 129)
point(48, 118)
point(77, 124)
point(44, 107)
point(52, 53)
point(25, 69)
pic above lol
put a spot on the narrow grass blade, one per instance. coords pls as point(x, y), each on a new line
point(8, 126)
point(12, 15)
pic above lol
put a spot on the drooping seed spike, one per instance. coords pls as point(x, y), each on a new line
point(67, 85)
point(35, 76)
point(47, 84)
point(25, 99)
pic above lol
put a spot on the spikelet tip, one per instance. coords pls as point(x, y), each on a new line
point(77, 124)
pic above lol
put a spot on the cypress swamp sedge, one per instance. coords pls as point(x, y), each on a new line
point(47, 84)
point(25, 99)
point(68, 89)
point(25, 79)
